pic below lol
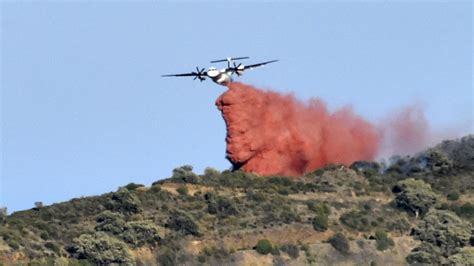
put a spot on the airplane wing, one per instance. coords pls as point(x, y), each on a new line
point(198, 74)
point(259, 64)
point(193, 74)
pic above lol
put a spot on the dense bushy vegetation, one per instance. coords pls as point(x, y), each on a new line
point(183, 223)
point(415, 196)
point(441, 232)
point(99, 248)
point(464, 257)
point(210, 218)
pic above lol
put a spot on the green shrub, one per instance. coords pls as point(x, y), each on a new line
point(291, 250)
point(111, 222)
point(38, 205)
point(284, 191)
point(465, 210)
point(320, 223)
point(340, 243)
point(255, 196)
point(183, 190)
point(319, 207)
point(14, 245)
point(222, 206)
point(415, 196)
point(322, 210)
point(357, 220)
point(167, 257)
point(99, 248)
point(264, 246)
point(184, 174)
point(141, 233)
point(464, 257)
point(133, 186)
point(210, 172)
point(275, 250)
point(426, 254)
point(383, 242)
point(44, 235)
point(3, 214)
point(52, 246)
point(155, 188)
point(123, 201)
point(398, 225)
point(367, 168)
point(289, 216)
point(42, 262)
point(452, 196)
point(218, 253)
point(280, 181)
point(183, 223)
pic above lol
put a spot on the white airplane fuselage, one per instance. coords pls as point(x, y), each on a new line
point(221, 77)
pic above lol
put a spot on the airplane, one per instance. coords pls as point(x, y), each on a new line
point(221, 76)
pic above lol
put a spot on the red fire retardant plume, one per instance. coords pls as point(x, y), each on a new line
point(273, 134)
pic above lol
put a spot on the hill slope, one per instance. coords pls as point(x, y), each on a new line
point(415, 210)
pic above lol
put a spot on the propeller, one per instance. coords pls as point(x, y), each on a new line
point(238, 69)
point(199, 74)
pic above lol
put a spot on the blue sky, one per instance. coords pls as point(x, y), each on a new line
point(84, 109)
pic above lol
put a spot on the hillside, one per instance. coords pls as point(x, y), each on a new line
point(417, 209)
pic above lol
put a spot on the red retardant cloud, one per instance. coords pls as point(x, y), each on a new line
point(273, 134)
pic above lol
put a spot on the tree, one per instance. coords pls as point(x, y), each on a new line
point(222, 206)
point(123, 201)
point(38, 205)
point(182, 222)
point(3, 214)
point(415, 196)
point(426, 254)
point(133, 186)
point(111, 222)
point(141, 233)
point(445, 230)
point(184, 174)
point(210, 172)
point(340, 243)
point(135, 233)
point(99, 248)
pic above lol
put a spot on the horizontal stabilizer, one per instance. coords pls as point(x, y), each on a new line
point(230, 59)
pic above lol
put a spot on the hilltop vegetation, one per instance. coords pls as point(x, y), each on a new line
point(414, 210)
